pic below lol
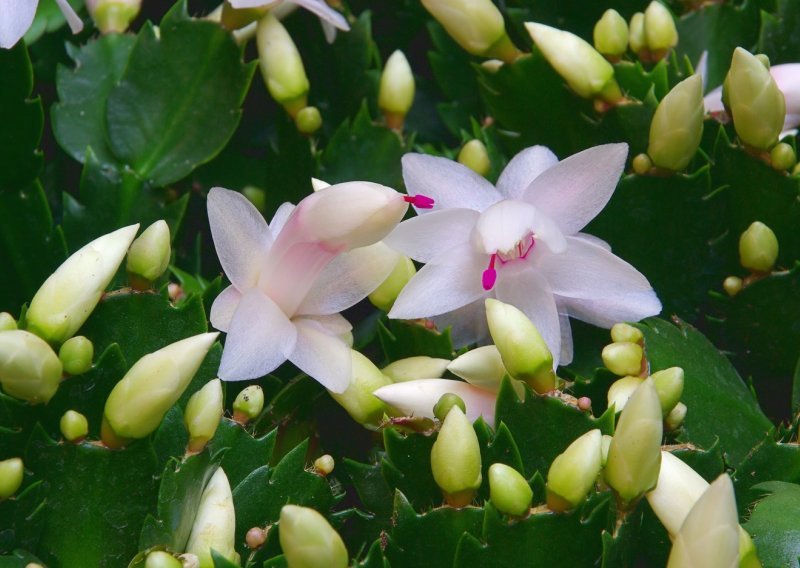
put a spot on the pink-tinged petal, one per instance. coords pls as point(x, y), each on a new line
point(322, 356)
point(425, 237)
point(787, 77)
point(241, 4)
point(241, 236)
point(224, 307)
point(16, 16)
point(280, 217)
point(467, 324)
point(417, 398)
point(566, 340)
point(596, 286)
point(259, 339)
point(575, 190)
point(713, 101)
point(349, 278)
point(450, 184)
point(333, 324)
point(593, 240)
point(523, 169)
point(526, 289)
point(324, 12)
point(73, 20)
point(450, 281)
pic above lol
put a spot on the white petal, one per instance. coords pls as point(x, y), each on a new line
point(713, 101)
point(329, 30)
point(481, 367)
point(787, 77)
point(241, 236)
point(16, 18)
point(322, 356)
point(523, 169)
point(467, 324)
point(324, 12)
point(566, 340)
point(525, 288)
point(279, 219)
point(333, 324)
point(596, 286)
point(224, 307)
point(450, 281)
point(449, 183)
point(417, 398)
point(426, 236)
point(259, 339)
point(73, 20)
point(702, 68)
point(592, 239)
point(349, 278)
point(576, 189)
point(240, 4)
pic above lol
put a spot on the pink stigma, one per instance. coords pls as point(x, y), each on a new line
point(489, 275)
point(421, 201)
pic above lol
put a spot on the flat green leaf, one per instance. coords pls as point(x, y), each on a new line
point(407, 467)
point(778, 38)
point(774, 524)
point(375, 494)
point(767, 461)
point(243, 453)
point(19, 559)
point(400, 339)
point(496, 447)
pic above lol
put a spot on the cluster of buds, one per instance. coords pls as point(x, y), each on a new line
point(758, 251)
point(652, 34)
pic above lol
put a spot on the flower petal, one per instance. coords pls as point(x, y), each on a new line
point(241, 236)
point(523, 169)
point(73, 20)
point(280, 217)
point(417, 398)
point(713, 101)
point(424, 237)
point(467, 324)
point(787, 77)
point(324, 12)
point(322, 356)
point(566, 340)
point(450, 184)
point(576, 189)
point(242, 4)
point(224, 307)
point(592, 239)
point(16, 18)
point(451, 280)
point(259, 338)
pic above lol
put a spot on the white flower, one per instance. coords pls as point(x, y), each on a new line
point(290, 280)
point(16, 16)
point(331, 19)
point(520, 243)
point(417, 398)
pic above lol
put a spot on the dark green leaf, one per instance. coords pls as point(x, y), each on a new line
point(400, 339)
point(243, 452)
point(767, 461)
point(407, 467)
point(775, 525)
point(778, 39)
point(498, 447)
point(375, 494)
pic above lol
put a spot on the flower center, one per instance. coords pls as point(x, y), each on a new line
point(519, 251)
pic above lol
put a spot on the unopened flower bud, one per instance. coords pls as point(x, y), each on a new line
point(68, 296)
point(215, 523)
point(675, 418)
point(29, 368)
point(11, 475)
point(76, 355)
point(508, 490)
point(611, 34)
point(621, 390)
point(161, 559)
point(525, 354)
point(677, 125)
point(236, 18)
point(138, 402)
point(456, 459)
point(475, 156)
point(634, 456)
point(636, 37)
point(7, 322)
point(492, 65)
point(358, 400)
point(308, 120)
point(748, 555)
point(383, 296)
point(642, 164)
point(324, 464)
point(756, 103)
point(669, 386)
point(413, 368)
point(445, 403)
point(573, 473)
point(623, 358)
point(248, 404)
point(113, 16)
point(396, 93)
point(604, 445)
point(482, 367)
point(281, 65)
point(659, 28)
point(782, 156)
point(678, 489)
point(74, 426)
point(582, 67)
point(317, 184)
point(149, 255)
point(758, 248)
point(625, 332)
point(203, 413)
point(732, 285)
point(256, 196)
point(309, 541)
point(255, 538)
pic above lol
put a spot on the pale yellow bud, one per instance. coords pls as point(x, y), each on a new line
point(161, 559)
point(76, 355)
point(677, 125)
point(676, 416)
point(669, 386)
point(636, 37)
point(396, 92)
point(572, 474)
point(74, 426)
point(413, 368)
point(626, 332)
point(203, 413)
point(215, 523)
point(358, 400)
point(732, 285)
point(383, 296)
point(7, 322)
point(623, 358)
point(324, 464)
point(281, 65)
point(113, 16)
point(475, 156)
point(29, 368)
point(12, 472)
point(308, 120)
point(309, 541)
point(659, 28)
point(482, 367)
point(456, 459)
point(611, 34)
point(149, 255)
point(248, 404)
point(621, 390)
point(508, 490)
point(758, 248)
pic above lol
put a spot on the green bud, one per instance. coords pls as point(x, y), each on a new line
point(782, 156)
point(748, 555)
point(757, 104)
point(758, 248)
point(636, 37)
point(11, 474)
point(634, 456)
point(622, 390)
point(236, 18)
point(7, 322)
point(215, 522)
point(669, 386)
point(161, 559)
point(383, 296)
point(324, 464)
point(248, 404)
point(396, 92)
point(611, 34)
point(149, 255)
point(482, 367)
point(456, 459)
point(508, 490)
point(573, 473)
point(76, 355)
point(203, 413)
point(414, 368)
point(309, 541)
point(308, 120)
point(256, 196)
point(138, 402)
point(659, 28)
point(475, 156)
point(732, 285)
point(74, 426)
point(677, 125)
point(642, 164)
point(623, 358)
point(445, 403)
point(113, 16)
point(29, 368)
point(676, 416)
point(281, 65)
point(621, 332)
point(582, 67)
point(525, 354)
point(764, 59)
point(68, 296)
point(358, 400)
